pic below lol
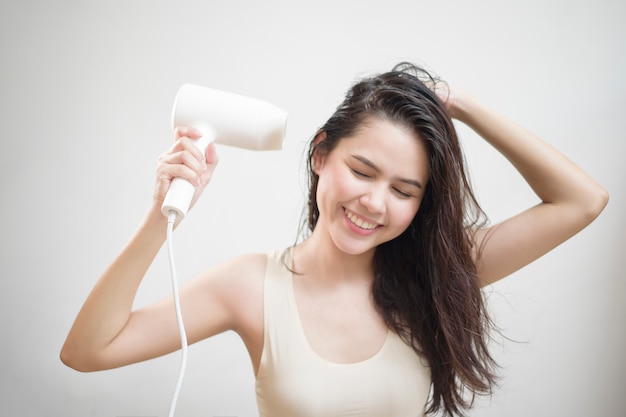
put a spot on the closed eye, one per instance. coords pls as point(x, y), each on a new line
point(402, 193)
point(359, 173)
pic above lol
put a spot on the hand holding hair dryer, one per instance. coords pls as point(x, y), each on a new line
point(228, 119)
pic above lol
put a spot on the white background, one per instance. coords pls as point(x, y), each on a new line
point(86, 90)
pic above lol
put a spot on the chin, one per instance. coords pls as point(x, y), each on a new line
point(355, 249)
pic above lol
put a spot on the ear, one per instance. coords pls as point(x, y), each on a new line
point(319, 156)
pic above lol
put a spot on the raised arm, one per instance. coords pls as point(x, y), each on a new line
point(570, 199)
point(106, 333)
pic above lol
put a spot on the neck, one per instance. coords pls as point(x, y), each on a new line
point(318, 256)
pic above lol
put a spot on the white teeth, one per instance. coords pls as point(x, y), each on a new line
point(360, 223)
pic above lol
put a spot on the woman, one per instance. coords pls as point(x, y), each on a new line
point(378, 311)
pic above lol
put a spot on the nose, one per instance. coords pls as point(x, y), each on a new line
point(374, 199)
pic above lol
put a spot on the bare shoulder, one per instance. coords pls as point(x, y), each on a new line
point(242, 283)
point(227, 296)
point(242, 266)
point(241, 280)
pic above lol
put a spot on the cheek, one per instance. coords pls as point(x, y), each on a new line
point(334, 184)
point(404, 213)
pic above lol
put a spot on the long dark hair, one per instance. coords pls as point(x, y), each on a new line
point(425, 285)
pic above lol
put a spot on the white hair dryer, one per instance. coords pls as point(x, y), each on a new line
point(227, 119)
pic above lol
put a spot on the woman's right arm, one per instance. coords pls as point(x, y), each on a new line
point(106, 332)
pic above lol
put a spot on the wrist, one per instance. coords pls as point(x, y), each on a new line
point(154, 218)
point(459, 105)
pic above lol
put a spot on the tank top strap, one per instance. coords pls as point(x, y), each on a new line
point(279, 320)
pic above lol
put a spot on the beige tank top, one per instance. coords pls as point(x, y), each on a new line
point(294, 381)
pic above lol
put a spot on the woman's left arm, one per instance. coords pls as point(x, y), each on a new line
point(570, 199)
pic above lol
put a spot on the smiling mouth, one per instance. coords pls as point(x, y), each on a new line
point(358, 222)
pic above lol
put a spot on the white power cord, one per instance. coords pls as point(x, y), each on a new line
point(171, 218)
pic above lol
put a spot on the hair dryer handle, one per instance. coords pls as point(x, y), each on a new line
point(180, 193)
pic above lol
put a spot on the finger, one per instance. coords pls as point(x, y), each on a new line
point(186, 131)
point(211, 163)
point(188, 157)
point(211, 155)
point(168, 169)
point(167, 174)
point(187, 145)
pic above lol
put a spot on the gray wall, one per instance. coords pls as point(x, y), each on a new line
point(86, 94)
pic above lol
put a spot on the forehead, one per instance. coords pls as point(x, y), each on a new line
point(392, 147)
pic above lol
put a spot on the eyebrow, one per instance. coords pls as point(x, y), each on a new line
point(372, 165)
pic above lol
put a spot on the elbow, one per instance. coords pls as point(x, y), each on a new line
point(584, 209)
point(596, 202)
point(589, 206)
point(73, 358)
point(70, 360)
